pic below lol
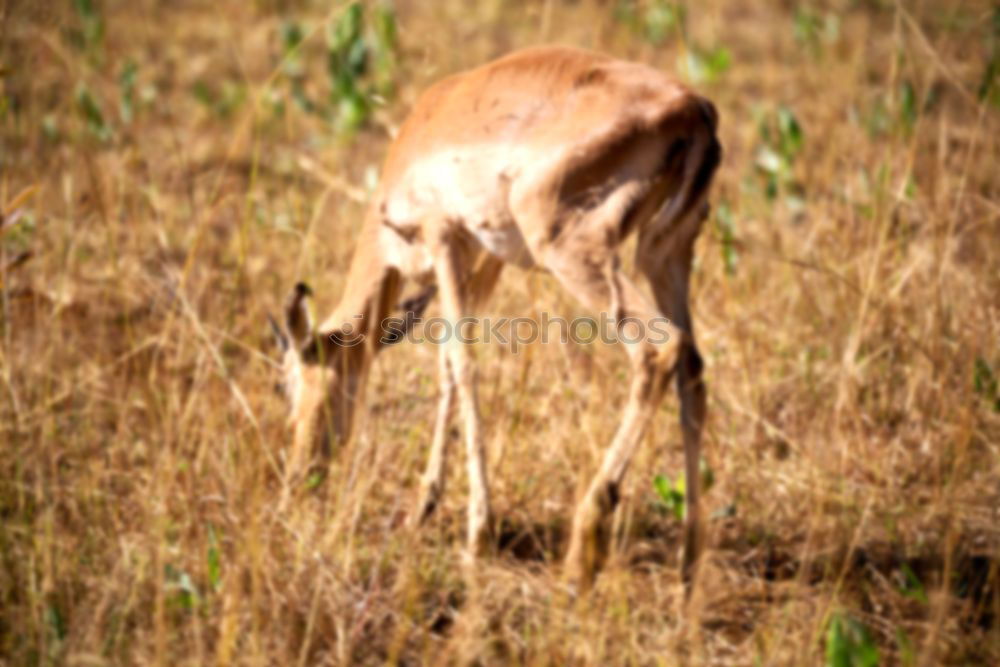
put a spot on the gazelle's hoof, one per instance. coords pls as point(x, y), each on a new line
point(480, 537)
point(429, 498)
point(582, 562)
point(690, 555)
point(588, 546)
point(469, 558)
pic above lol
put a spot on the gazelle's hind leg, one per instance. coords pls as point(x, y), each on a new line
point(666, 262)
point(603, 286)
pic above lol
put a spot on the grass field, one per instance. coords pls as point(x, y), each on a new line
point(169, 169)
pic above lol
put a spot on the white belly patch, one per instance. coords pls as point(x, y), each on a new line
point(506, 242)
point(468, 186)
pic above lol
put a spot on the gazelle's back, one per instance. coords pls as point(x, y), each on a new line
point(546, 96)
point(471, 136)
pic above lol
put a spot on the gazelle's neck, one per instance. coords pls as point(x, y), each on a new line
point(370, 292)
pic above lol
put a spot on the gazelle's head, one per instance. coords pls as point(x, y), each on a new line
point(321, 377)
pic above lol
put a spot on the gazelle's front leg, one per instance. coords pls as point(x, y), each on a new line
point(433, 482)
point(447, 267)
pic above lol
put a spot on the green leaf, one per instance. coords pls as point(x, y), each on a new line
point(912, 587)
point(385, 27)
point(985, 383)
point(877, 120)
point(93, 26)
point(907, 106)
point(57, 624)
point(202, 93)
point(849, 644)
point(983, 379)
point(232, 96)
point(89, 108)
point(660, 19)
point(180, 581)
point(302, 100)
point(680, 486)
point(771, 188)
point(50, 127)
point(126, 81)
point(706, 66)
point(291, 38)
point(356, 57)
point(352, 113)
point(806, 28)
point(989, 84)
point(719, 61)
point(671, 495)
point(341, 34)
point(907, 656)
point(214, 560)
point(789, 132)
point(384, 46)
point(663, 487)
point(726, 226)
point(314, 480)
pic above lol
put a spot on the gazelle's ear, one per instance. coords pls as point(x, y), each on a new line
point(297, 320)
point(280, 339)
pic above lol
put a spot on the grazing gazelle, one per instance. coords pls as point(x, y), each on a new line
point(548, 157)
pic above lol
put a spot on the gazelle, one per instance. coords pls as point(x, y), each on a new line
point(549, 157)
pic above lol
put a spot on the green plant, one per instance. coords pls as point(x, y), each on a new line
point(781, 141)
point(849, 644)
point(213, 560)
point(350, 49)
point(706, 65)
point(908, 107)
point(385, 33)
point(185, 592)
point(90, 111)
point(88, 36)
point(4, 98)
point(222, 100)
point(360, 65)
point(812, 30)
point(725, 224)
point(291, 40)
point(126, 84)
point(911, 585)
point(989, 83)
point(655, 20)
point(984, 381)
point(670, 493)
point(907, 655)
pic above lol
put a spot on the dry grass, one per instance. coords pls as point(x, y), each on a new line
point(854, 444)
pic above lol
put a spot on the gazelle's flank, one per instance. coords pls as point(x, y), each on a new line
point(550, 157)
